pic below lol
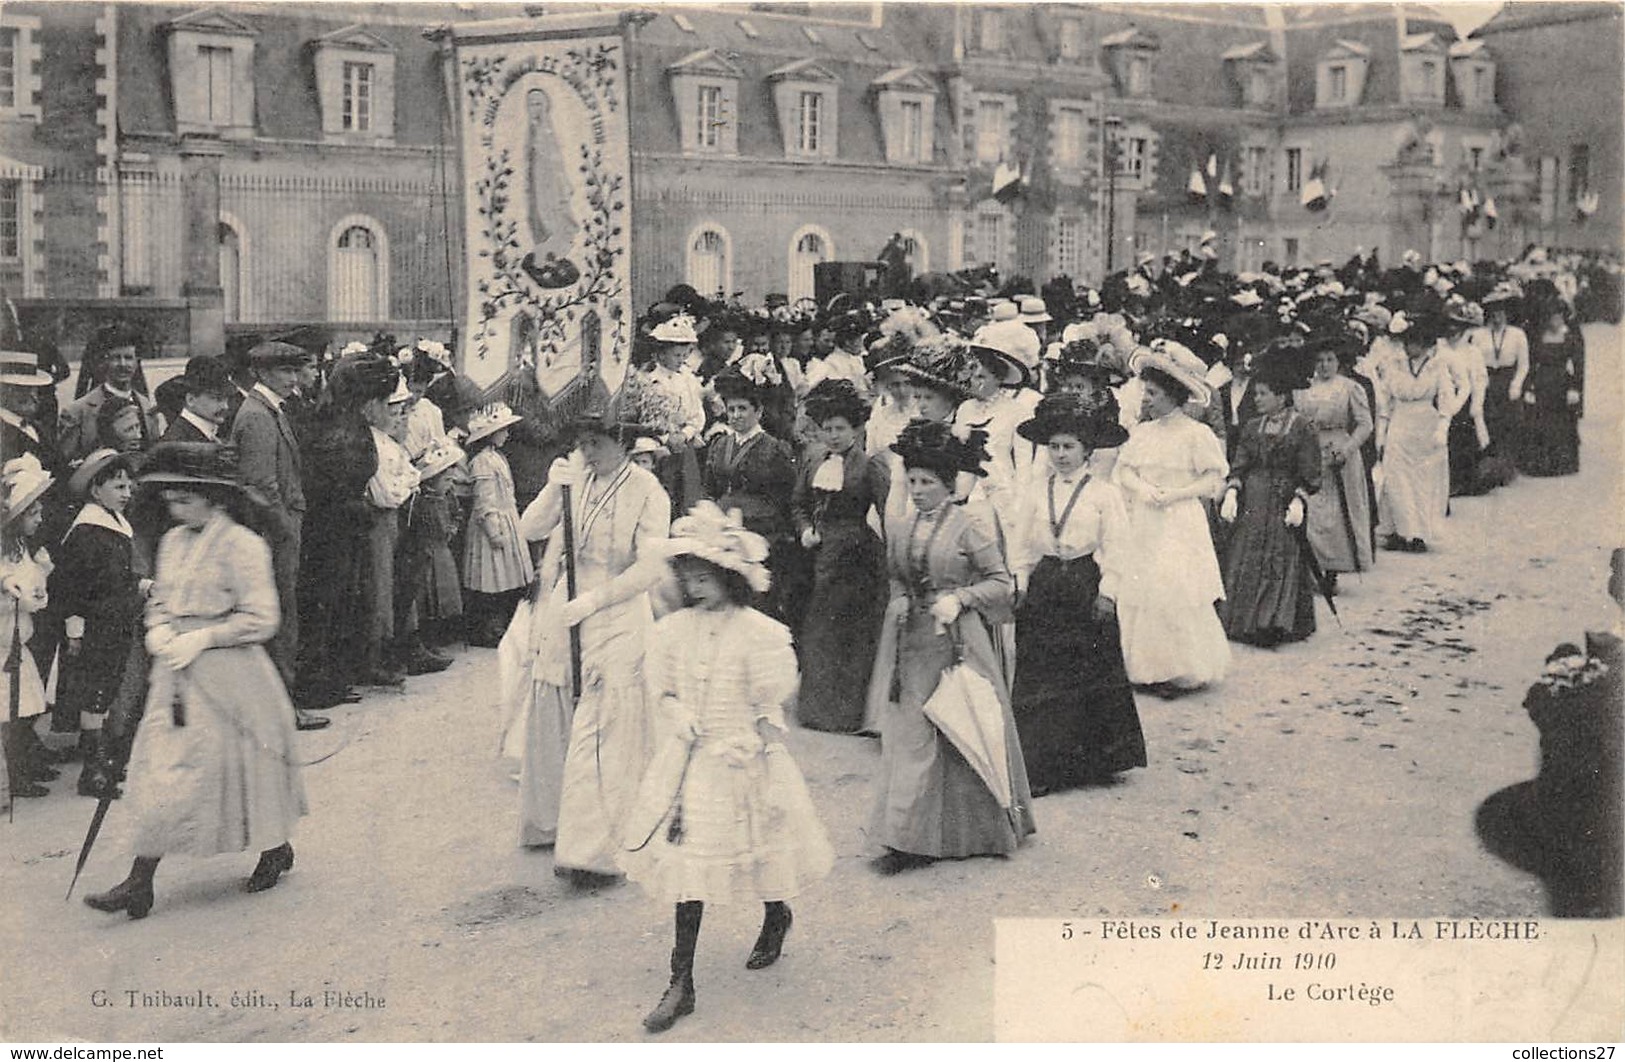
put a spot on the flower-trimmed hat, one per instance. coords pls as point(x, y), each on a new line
point(1285, 367)
point(1176, 361)
point(678, 328)
point(1068, 415)
point(837, 398)
point(19, 368)
point(489, 420)
point(1504, 292)
point(752, 377)
point(1085, 357)
point(942, 448)
point(23, 481)
point(940, 363)
point(721, 539)
point(441, 455)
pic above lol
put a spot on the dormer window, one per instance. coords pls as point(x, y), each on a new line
point(1474, 73)
point(355, 82)
point(1252, 72)
point(1340, 75)
point(1422, 58)
point(19, 63)
point(805, 94)
point(1130, 52)
point(1071, 39)
point(705, 90)
point(906, 99)
point(991, 32)
point(211, 71)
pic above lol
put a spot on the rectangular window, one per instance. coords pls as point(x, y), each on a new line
point(1430, 78)
point(1481, 85)
point(912, 131)
point(11, 220)
point(990, 238)
point(1337, 84)
point(217, 65)
point(1069, 136)
point(1071, 39)
point(1289, 251)
point(992, 39)
point(1069, 246)
point(708, 128)
point(1139, 76)
point(1131, 161)
point(1258, 89)
point(1579, 171)
point(1294, 169)
point(1475, 158)
point(357, 97)
point(8, 68)
point(1548, 189)
point(990, 130)
point(810, 123)
point(1257, 181)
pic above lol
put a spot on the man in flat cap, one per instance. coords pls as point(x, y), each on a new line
point(268, 461)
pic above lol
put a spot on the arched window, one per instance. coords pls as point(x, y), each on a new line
point(710, 261)
point(358, 271)
point(231, 271)
point(809, 246)
point(919, 252)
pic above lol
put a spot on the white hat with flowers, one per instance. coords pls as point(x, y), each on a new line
point(23, 480)
point(488, 420)
point(711, 534)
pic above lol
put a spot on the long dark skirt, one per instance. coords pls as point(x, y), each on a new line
point(1497, 465)
point(1072, 701)
point(1464, 455)
point(1269, 589)
point(1551, 441)
point(841, 628)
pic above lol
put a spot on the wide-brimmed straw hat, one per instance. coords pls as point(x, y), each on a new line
point(19, 368)
point(720, 538)
point(441, 455)
point(23, 481)
point(1067, 415)
point(648, 444)
point(1005, 367)
point(489, 420)
point(91, 466)
point(1030, 309)
point(678, 328)
point(1176, 361)
point(191, 463)
point(1013, 338)
point(941, 362)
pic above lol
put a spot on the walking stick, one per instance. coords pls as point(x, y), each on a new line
point(14, 668)
point(570, 590)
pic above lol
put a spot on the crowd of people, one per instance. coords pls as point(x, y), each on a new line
point(976, 525)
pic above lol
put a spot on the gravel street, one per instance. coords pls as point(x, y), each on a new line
point(1336, 777)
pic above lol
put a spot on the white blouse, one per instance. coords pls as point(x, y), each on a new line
point(396, 479)
point(1094, 525)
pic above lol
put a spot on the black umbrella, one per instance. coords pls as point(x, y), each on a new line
point(1321, 579)
point(90, 839)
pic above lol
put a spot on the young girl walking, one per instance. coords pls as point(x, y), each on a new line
point(496, 564)
point(723, 814)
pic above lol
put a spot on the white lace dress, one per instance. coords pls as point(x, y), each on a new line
point(726, 817)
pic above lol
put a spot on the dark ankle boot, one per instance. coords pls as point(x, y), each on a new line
point(96, 777)
point(775, 924)
point(35, 756)
point(17, 766)
point(132, 895)
point(273, 862)
point(678, 998)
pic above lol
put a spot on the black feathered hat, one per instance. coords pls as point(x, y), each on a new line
point(938, 447)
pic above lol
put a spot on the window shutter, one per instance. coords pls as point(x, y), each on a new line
point(1153, 144)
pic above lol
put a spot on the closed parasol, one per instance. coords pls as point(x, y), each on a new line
point(966, 709)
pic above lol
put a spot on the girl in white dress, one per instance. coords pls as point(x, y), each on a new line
point(723, 814)
point(23, 576)
point(1172, 639)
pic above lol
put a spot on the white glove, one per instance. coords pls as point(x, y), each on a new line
point(1294, 513)
point(577, 609)
point(1515, 393)
point(947, 609)
point(1228, 507)
point(567, 471)
point(1573, 397)
point(1529, 398)
point(809, 538)
point(185, 648)
point(144, 586)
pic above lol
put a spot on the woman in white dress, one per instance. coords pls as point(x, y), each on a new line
point(1172, 639)
point(723, 815)
point(583, 756)
point(24, 574)
point(212, 769)
point(1415, 458)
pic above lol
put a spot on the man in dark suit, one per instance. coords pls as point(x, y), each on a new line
point(208, 391)
point(76, 435)
point(268, 460)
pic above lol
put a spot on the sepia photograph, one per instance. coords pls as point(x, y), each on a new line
point(812, 522)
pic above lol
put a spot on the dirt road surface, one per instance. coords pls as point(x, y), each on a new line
point(1337, 777)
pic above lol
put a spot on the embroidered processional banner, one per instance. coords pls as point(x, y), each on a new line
point(542, 126)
